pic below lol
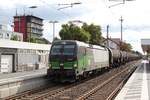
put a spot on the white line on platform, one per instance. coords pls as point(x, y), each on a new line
point(145, 95)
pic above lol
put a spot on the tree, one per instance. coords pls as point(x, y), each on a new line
point(125, 47)
point(14, 37)
point(95, 33)
point(32, 40)
point(87, 33)
point(39, 40)
point(73, 32)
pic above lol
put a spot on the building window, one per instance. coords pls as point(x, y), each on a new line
point(7, 34)
point(39, 58)
point(1, 35)
point(16, 19)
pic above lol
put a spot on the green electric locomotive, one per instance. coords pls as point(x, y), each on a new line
point(70, 59)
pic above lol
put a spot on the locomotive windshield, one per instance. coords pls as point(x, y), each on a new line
point(63, 49)
point(69, 50)
point(56, 50)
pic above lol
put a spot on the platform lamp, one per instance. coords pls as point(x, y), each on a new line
point(32, 7)
point(53, 22)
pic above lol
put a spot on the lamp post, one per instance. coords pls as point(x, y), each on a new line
point(32, 7)
point(107, 35)
point(121, 21)
point(76, 22)
point(123, 2)
point(53, 22)
point(68, 5)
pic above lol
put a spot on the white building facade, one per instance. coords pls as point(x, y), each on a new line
point(111, 44)
point(6, 34)
point(18, 56)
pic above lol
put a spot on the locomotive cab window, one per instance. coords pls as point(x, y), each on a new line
point(56, 50)
point(69, 50)
point(63, 50)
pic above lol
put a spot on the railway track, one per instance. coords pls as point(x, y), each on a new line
point(40, 93)
point(52, 92)
point(80, 92)
point(77, 91)
point(120, 85)
point(29, 92)
point(98, 93)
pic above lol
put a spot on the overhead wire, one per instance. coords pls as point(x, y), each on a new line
point(110, 10)
point(51, 5)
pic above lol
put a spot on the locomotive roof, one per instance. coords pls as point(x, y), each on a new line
point(79, 43)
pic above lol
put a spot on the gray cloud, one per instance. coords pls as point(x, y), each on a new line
point(45, 11)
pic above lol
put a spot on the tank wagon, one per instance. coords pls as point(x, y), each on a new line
point(69, 59)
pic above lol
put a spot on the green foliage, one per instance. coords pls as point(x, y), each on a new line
point(125, 47)
point(73, 32)
point(32, 40)
point(14, 37)
point(95, 33)
point(40, 41)
point(87, 33)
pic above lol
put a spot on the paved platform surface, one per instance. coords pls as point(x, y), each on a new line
point(11, 77)
point(138, 85)
point(13, 83)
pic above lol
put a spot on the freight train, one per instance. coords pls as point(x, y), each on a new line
point(70, 60)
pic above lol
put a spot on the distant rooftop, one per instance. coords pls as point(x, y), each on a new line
point(29, 16)
point(145, 43)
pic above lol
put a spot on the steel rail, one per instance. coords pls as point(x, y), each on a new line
point(27, 93)
point(119, 87)
point(94, 90)
point(59, 91)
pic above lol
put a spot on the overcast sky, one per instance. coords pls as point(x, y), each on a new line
point(136, 15)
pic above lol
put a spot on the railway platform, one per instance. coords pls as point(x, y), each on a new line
point(20, 76)
point(138, 85)
point(13, 83)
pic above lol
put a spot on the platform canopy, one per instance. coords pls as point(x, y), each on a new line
point(145, 43)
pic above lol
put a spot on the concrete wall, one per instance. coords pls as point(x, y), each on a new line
point(13, 86)
point(26, 59)
point(26, 56)
point(29, 59)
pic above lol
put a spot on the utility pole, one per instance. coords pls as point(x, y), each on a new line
point(121, 21)
point(107, 35)
point(53, 22)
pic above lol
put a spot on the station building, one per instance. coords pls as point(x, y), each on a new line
point(18, 56)
point(145, 43)
point(6, 34)
point(113, 43)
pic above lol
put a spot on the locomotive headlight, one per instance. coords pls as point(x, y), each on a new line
point(75, 65)
point(61, 64)
point(50, 65)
